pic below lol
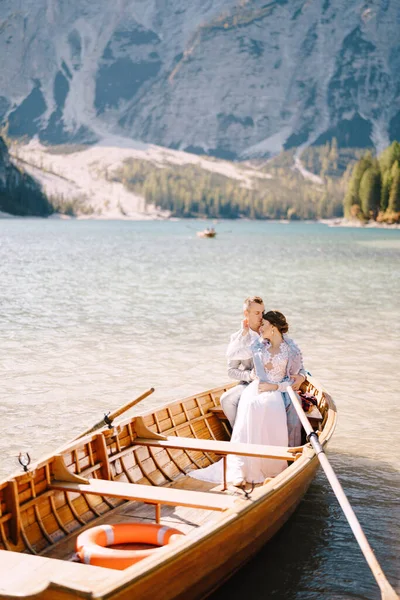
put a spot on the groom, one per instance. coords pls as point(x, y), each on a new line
point(243, 371)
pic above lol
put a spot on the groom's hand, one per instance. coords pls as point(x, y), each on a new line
point(245, 327)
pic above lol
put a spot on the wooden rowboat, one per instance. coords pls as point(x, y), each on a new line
point(137, 472)
point(207, 233)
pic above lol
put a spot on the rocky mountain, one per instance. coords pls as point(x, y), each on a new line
point(231, 78)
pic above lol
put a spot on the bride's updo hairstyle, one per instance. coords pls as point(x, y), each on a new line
point(277, 319)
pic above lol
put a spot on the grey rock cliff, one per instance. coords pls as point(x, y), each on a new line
point(234, 79)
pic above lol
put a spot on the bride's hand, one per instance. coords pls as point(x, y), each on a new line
point(298, 380)
point(267, 387)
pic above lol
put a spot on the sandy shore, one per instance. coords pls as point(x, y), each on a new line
point(342, 222)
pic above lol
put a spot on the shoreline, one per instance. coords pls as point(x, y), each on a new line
point(343, 222)
point(334, 222)
point(82, 182)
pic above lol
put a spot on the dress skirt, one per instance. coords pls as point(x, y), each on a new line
point(261, 419)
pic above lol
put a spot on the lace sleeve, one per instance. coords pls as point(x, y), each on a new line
point(298, 367)
point(295, 364)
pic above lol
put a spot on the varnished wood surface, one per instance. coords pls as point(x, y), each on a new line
point(186, 519)
point(147, 494)
point(31, 574)
point(36, 519)
point(314, 413)
point(278, 452)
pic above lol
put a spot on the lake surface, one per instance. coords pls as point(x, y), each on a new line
point(95, 312)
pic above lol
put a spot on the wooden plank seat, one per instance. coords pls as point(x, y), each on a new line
point(217, 410)
point(24, 575)
point(148, 494)
point(314, 415)
point(220, 447)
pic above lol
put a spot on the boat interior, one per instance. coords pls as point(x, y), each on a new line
point(134, 471)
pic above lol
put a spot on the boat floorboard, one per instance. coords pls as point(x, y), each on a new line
point(183, 518)
point(27, 574)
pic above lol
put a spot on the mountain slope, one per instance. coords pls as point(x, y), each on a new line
point(83, 179)
point(233, 79)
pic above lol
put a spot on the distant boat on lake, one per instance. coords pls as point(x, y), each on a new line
point(207, 233)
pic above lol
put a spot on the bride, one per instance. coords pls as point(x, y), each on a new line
point(261, 417)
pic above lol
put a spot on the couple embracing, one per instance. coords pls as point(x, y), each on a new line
point(265, 361)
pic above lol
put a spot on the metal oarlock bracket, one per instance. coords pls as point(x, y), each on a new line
point(313, 439)
point(107, 420)
point(24, 460)
point(247, 493)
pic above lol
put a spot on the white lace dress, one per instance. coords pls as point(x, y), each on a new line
point(261, 419)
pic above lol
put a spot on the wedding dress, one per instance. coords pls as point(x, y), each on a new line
point(261, 419)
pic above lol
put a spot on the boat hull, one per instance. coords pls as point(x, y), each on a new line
point(197, 570)
point(203, 234)
point(190, 569)
point(210, 562)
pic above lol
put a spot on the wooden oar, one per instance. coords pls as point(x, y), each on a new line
point(108, 419)
point(387, 591)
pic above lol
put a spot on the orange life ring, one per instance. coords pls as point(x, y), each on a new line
point(92, 544)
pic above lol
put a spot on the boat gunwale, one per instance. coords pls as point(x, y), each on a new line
point(168, 554)
point(260, 494)
point(109, 432)
point(224, 519)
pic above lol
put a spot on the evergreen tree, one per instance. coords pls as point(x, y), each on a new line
point(394, 197)
point(385, 190)
point(353, 190)
point(389, 156)
point(370, 191)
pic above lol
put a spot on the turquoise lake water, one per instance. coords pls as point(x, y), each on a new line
point(95, 312)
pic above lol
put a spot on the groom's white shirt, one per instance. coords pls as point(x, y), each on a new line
point(239, 367)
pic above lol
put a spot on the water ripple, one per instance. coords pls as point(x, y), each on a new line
point(93, 313)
